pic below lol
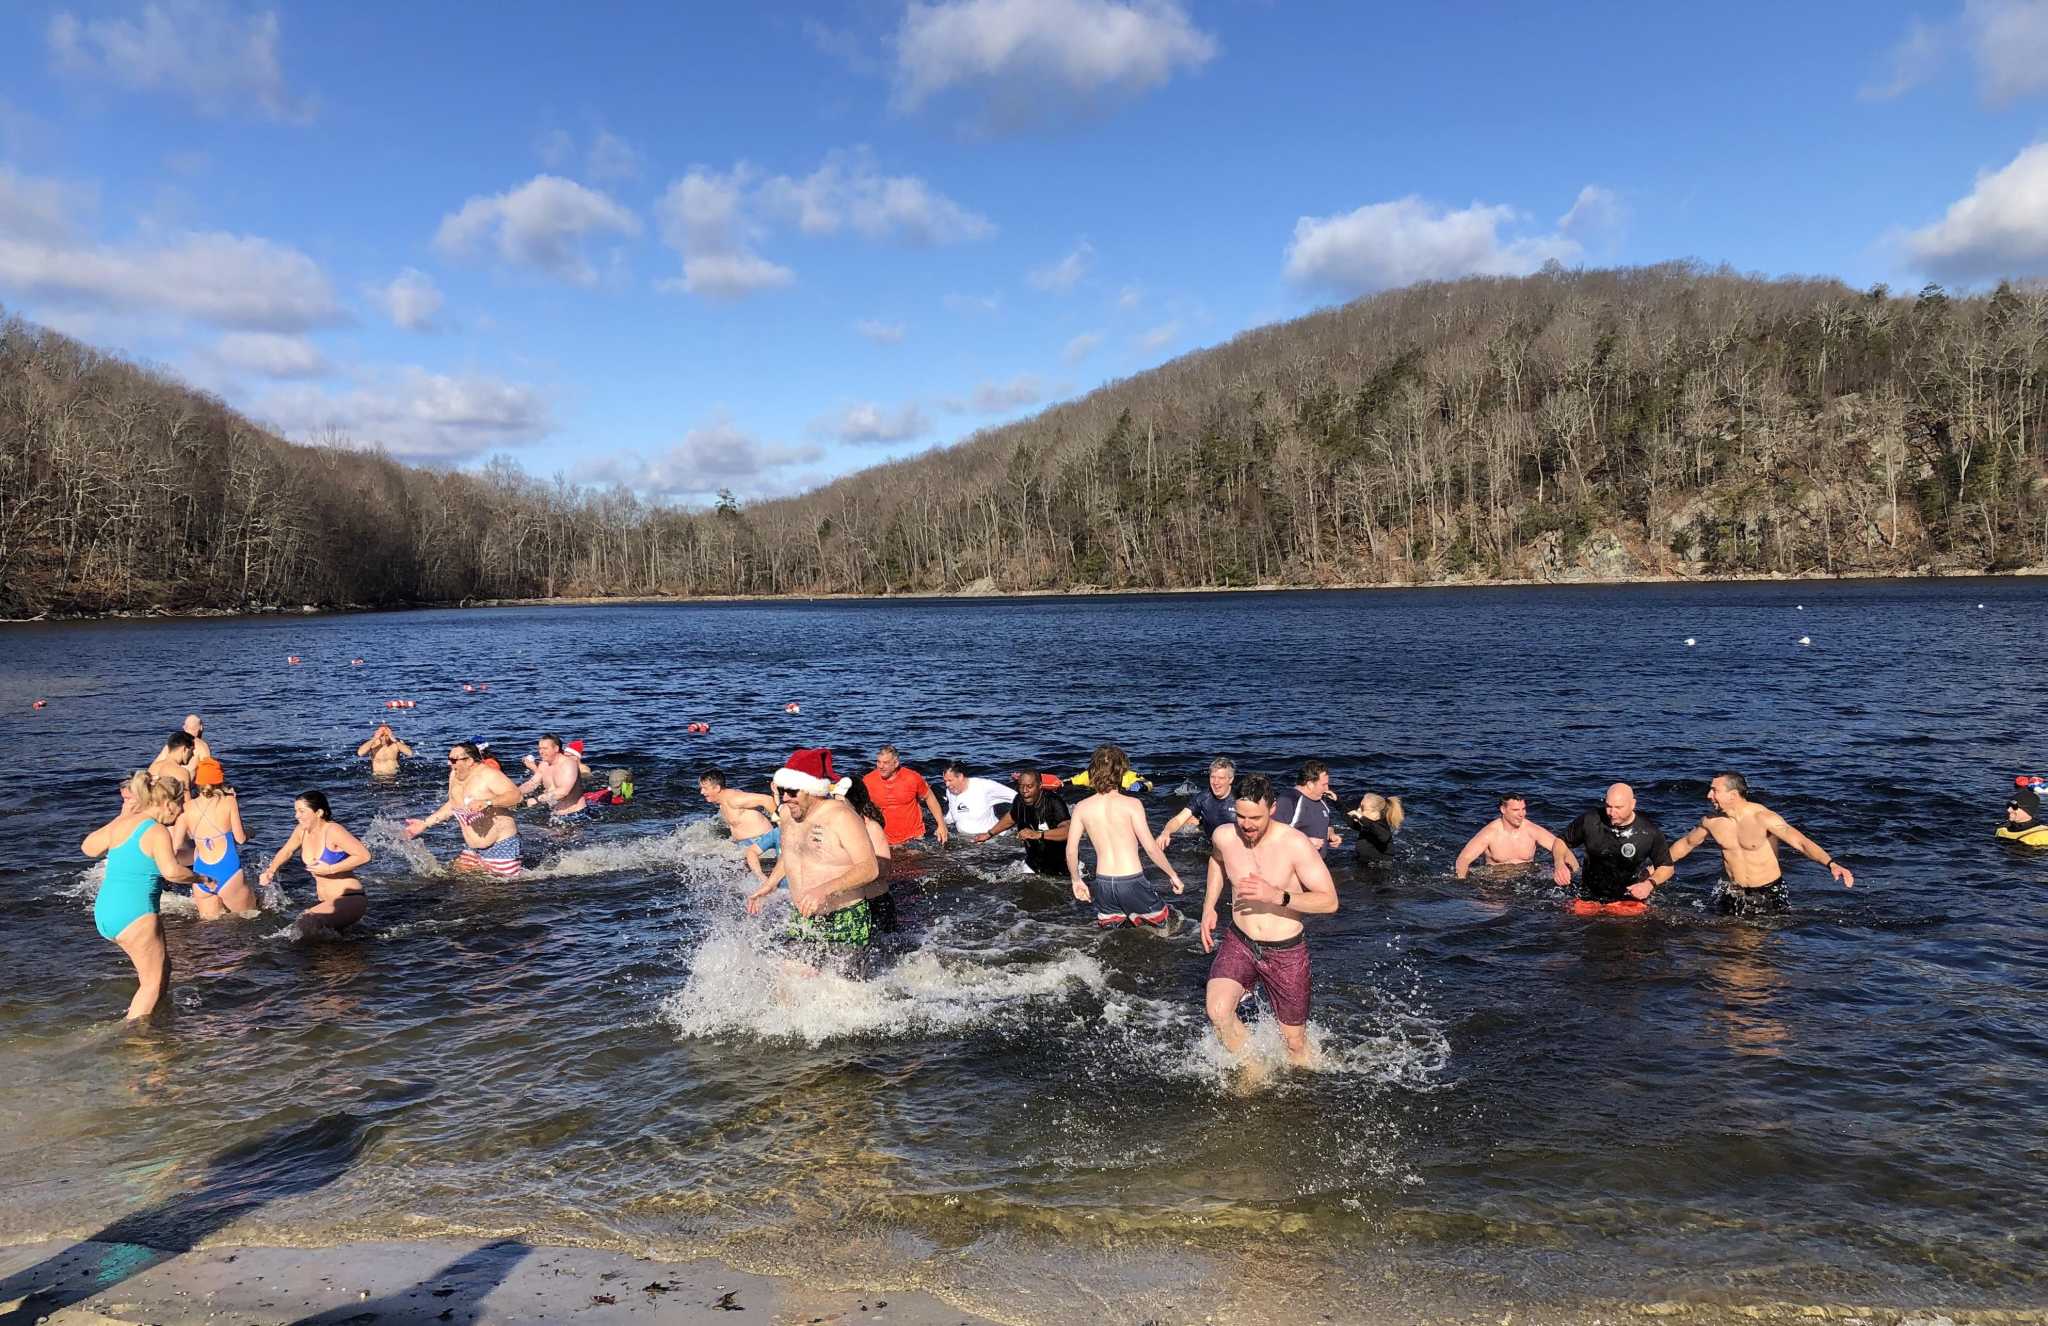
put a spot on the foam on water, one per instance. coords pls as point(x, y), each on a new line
point(690, 842)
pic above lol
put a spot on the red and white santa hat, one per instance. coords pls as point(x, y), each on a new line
point(811, 771)
point(576, 748)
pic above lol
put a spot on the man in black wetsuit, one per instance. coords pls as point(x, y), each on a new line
point(1040, 818)
point(1626, 853)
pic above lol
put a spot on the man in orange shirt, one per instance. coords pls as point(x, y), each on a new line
point(897, 791)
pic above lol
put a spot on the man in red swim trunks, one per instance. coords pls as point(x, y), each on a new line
point(1276, 877)
point(898, 791)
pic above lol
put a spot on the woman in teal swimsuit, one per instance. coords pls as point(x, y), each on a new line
point(213, 823)
point(331, 855)
point(137, 845)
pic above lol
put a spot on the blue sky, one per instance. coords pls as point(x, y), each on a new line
point(705, 246)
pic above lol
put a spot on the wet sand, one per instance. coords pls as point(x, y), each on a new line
point(392, 1284)
point(79, 1284)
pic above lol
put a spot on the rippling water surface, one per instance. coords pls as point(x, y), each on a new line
point(1027, 1115)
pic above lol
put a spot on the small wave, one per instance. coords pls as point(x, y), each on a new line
point(742, 982)
point(695, 840)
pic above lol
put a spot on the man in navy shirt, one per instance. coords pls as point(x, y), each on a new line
point(1306, 805)
point(1212, 807)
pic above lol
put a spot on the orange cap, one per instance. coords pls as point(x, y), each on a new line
point(207, 773)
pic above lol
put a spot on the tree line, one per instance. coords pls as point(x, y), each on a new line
point(1603, 423)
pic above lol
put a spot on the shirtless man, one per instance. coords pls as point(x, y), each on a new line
point(1510, 840)
point(827, 855)
point(1751, 882)
point(748, 816)
point(1116, 825)
point(556, 779)
point(176, 759)
point(1276, 877)
point(384, 749)
point(480, 798)
point(195, 726)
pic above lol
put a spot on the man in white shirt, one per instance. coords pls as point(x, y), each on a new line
point(973, 805)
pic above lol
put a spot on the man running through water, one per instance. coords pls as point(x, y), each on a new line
point(1211, 808)
point(748, 816)
point(384, 749)
point(1117, 827)
point(1510, 840)
point(556, 780)
point(1276, 877)
point(972, 803)
point(176, 759)
point(826, 854)
point(898, 791)
point(1752, 884)
point(480, 799)
point(1040, 817)
point(1627, 855)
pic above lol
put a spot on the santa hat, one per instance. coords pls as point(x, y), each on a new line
point(811, 771)
point(576, 748)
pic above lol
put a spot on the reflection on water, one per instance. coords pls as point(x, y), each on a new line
point(1026, 1114)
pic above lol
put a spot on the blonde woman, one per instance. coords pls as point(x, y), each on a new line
point(212, 822)
point(1377, 819)
point(137, 845)
point(331, 855)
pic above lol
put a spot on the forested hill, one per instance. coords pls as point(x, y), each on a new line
point(1581, 425)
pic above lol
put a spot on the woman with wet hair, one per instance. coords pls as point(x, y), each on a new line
point(331, 855)
point(140, 857)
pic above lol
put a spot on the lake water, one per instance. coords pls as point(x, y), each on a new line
point(1029, 1116)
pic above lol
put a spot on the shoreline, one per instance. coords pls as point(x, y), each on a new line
point(93, 1283)
point(971, 594)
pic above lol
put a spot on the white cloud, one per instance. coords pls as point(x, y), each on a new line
point(412, 300)
point(1159, 337)
point(704, 218)
point(1999, 229)
point(1914, 60)
point(977, 304)
point(1130, 298)
point(999, 397)
point(270, 354)
point(612, 158)
point(881, 333)
point(1032, 60)
point(849, 191)
point(866, 423)
point(228, 280)
point(1081, 347)
point(414, 414)
point(2010, 38)
point(540, 224)
point(1061, 277)
point(1382, 245)
point(39, 209)
point(199, 49)
point(712, 456)
point(2007, 39)
point(1597, 214)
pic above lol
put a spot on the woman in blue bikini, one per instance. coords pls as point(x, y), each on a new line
point(213, 823)
point(137, 845)
point(331, 855)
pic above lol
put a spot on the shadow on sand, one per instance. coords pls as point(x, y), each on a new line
point(286, 1162)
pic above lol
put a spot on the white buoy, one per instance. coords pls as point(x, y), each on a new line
point(1805, 639)
point(1980, 605)
point(1802, 607)
point(1690, 642)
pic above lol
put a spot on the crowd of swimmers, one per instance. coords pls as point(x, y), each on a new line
point(828, 840)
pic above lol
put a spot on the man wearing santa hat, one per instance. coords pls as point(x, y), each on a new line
point(826, 855)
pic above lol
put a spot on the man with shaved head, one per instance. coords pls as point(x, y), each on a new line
point(200, 750)
point(1627, 855)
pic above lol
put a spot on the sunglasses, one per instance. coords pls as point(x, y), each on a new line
point(787, 794)
point(460, 759)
